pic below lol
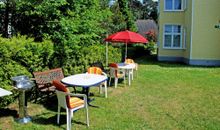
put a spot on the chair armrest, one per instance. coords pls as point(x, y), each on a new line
point(136, 66)
point(74, 95)
point(78, 95)
point(104, 73)
point(33, 79)
point(121, 71)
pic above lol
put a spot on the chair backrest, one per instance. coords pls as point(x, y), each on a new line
point(98, 64)
point(129, 61)
point(94, 70)
point(113, 65)
point(113, 69)
point(45, 78)
point(61, 98)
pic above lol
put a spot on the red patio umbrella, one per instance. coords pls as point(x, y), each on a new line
point(127, 37)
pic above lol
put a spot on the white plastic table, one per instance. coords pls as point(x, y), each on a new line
point(129, 68)
point(86, 81)
point(4, 92)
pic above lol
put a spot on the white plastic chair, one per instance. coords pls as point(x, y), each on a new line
point(97, 70)
point(71, 102)
point(131, 61)
point(116, 73)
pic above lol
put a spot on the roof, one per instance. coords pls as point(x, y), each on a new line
point(146, 25)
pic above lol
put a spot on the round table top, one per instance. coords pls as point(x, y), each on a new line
point(84, 80)
point(4, 92)
point(126, 66)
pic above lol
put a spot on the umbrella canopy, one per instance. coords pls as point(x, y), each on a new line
point(127, 37)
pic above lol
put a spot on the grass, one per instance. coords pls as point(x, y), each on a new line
point(163, 96)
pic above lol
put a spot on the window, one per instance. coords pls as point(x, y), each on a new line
point(174, 5)
point(172, 36)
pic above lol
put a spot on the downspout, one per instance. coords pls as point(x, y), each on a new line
point(192, 22)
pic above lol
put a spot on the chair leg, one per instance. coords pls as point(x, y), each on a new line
point(136, 68)
point(74, 89)
point(105, 89)
point(132, 74)
point(124, 81)
point(109, 83)
point(37, 95)
point(68, 119)
point(100, 89)
point(71, 114)
point(116, 82)
point(129, 78)
point(58, 115)
point(87, 114)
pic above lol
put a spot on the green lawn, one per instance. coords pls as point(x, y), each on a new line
point(163, 96)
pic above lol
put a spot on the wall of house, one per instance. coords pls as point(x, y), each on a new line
point(187, 26)
point(206, 38)
point(169, 17)
point(202, 43)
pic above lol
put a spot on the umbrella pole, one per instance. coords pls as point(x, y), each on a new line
point(126, 49)
point(106, 51)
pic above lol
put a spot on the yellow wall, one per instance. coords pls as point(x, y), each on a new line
point(206, 38)
point(169, 18)
point(187, 25)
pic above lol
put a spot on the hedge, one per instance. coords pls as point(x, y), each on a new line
point(21, 55)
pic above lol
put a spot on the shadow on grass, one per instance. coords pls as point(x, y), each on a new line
point(50, 103)
point(143, 57)
point(112, 83)
point(5, 112)
point(152, 60)
point(46, 119)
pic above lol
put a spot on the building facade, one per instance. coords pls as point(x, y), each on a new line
point(188, 33)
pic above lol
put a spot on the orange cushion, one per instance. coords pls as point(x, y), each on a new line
point(120, 75)
point(113, 65)
point(128, 61)
point(94, 70)
point(75, 102)
point(59, 86)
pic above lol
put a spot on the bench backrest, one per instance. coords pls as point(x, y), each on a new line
point(46, 77)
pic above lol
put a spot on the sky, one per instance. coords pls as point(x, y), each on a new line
point(152, 0)
point(112, 1)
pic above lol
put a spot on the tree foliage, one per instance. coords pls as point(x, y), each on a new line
point(145, 10)
point(128, 16)
point(21, 55)
point(76, 29)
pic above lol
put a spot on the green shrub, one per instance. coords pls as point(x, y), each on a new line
point(77, 61)
point(21, 55)
point(151, 47)
point(17, 56)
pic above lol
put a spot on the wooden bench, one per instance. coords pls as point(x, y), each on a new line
point(44, 80)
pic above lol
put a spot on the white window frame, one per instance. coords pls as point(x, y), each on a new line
point(183, 6)
point(172, 34)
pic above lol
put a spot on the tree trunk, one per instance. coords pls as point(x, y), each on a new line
point(6, 20)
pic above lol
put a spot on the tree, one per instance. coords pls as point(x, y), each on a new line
point(116, 21)
point(147, 10)
point(7, 8)
point(128, 16)
point(72, 25)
